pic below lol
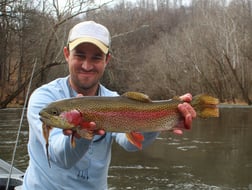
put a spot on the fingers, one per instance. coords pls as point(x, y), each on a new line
point(67, 132)
point(100, 132)
point(188, 113)
point(177, 131)
point(89, 134)
point(86, 130)
point(84, 133)
point(186, 97)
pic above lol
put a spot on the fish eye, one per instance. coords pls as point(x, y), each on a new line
point(55, 112)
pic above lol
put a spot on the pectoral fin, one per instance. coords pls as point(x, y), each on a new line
point(46, 131)
point(73, 143)
point(135, 138)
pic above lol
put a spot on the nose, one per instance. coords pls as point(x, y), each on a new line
point(87, 65)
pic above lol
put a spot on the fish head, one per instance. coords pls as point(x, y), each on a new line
point(54, 116)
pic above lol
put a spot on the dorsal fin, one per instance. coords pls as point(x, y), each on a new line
point(137, 96)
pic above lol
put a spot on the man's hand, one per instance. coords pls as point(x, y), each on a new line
point(83, 129)
point(187, 112)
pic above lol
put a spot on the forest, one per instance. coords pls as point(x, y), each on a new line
point(162, 48)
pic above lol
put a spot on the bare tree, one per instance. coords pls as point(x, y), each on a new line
point(174, 49)
point(37, 32)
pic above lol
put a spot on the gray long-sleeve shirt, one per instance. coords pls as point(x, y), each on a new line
point(83, 167)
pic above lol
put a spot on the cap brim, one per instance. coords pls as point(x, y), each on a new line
point(94, 41)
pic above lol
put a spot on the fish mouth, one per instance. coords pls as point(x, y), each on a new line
point(45, 118)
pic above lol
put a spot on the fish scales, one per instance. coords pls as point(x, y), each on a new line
point(125, 113)
point(121, 114)
point(132, 112)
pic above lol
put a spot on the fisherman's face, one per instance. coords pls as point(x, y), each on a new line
point(86, 66)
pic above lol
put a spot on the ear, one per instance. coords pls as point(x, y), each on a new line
point(66, 53)
point(108, 57)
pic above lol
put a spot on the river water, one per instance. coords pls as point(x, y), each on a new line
point(215, 155)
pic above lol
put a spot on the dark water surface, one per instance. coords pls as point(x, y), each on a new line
point(215, 155)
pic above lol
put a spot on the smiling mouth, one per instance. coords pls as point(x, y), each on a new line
point(87, 74)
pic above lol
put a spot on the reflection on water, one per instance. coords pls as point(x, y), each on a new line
point(9, 124)
point(216, 154)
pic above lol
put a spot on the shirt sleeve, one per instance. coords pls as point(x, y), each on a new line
point(60, 150)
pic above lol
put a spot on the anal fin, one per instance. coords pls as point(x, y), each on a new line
point(135, 138)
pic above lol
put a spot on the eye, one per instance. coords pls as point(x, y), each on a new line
point(97, 57)
point(55, 112)
point(80, 55)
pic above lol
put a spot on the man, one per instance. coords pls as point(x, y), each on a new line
point(86, 165)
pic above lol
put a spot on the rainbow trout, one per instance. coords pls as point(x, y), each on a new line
point(130, 113)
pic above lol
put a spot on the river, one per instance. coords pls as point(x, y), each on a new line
point(215, 155)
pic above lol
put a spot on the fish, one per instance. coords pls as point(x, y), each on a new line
point(130, 113)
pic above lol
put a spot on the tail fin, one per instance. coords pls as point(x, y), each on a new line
point(205, 106)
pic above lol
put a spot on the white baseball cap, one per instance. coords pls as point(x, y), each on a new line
point(89, 32)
